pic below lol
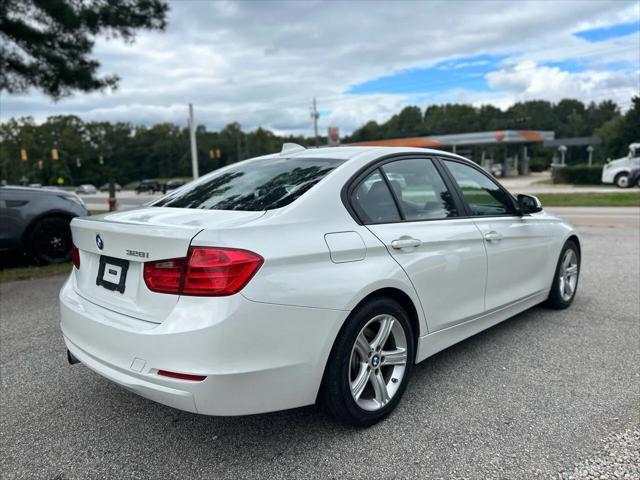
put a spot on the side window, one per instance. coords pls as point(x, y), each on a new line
point(420, 190)
point(373, 201)
point(481, 193)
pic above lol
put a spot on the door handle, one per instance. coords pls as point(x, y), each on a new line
point(492, 236)
point(406, 242)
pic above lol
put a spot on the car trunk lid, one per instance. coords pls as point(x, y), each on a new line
point(113, 248)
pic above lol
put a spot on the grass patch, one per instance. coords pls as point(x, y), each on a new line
point(613, 199)
point(29, 272)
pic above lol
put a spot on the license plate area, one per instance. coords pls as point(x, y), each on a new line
point(112, 273)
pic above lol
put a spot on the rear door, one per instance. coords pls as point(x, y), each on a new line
point(518, 247)
point(407, 205)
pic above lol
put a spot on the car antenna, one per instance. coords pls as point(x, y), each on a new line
point(288, 148)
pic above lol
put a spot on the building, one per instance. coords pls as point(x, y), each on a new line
point(513, 160)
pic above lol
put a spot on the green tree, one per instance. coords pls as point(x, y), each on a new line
point(618, 133)
point(47, 43)
point(369, 131)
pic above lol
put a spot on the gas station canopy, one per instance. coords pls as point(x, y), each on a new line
point(460, 139)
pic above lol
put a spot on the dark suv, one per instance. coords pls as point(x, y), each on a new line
point(152, 186)
point(37, 220)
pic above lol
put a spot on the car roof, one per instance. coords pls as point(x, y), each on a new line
point(348, 152)
point(53, 190)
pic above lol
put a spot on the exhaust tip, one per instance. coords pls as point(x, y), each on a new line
point(72, 360)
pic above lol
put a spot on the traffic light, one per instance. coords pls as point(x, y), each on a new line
point(211, 154)
point(54, 154)
point(23, 154)
point(217, 153)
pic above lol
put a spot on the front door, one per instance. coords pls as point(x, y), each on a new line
point(519, 248)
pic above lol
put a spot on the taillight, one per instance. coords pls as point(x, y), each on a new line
point(164, 276)
point(207, 271)
point(75, 256)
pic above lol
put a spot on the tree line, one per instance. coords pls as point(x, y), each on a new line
point(94, 152)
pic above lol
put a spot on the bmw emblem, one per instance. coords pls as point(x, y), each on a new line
point(99, 242)
point(375, 361)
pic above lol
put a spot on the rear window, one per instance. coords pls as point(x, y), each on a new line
point(256, 185)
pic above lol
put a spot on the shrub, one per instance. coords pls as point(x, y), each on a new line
point(577, 174)
point(538, 164)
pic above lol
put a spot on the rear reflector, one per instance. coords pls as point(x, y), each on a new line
point(206, 271)
point(182, 376)
point(75, 256)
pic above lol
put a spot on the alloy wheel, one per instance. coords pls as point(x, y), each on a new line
point(568, 274)
point(378, 362)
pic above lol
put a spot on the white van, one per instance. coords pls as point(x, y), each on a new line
point(617, 171)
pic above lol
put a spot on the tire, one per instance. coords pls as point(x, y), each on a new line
point(622, 180)
point(372, 373)
point(50, 240)
point(563, 281)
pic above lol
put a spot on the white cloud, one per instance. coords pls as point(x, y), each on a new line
point(260, 63)
point(527, 81)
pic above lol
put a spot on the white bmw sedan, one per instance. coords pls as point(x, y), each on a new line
point(308, 276)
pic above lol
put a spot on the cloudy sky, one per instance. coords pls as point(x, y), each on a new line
point(261, 63)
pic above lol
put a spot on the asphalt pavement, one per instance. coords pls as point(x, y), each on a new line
point(533, 397)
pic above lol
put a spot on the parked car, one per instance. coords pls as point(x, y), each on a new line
point(148, 186)
point(308, 275)
point(86, 189)
point(37, 220)
point(497, 170)
point(617, 171)
point(105, 187)
point(175, 183)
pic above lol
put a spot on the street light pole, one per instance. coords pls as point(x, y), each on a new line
point(563, 151)
point(192, 140)
point(315, 115)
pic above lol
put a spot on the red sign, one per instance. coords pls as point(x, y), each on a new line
point(334, 136)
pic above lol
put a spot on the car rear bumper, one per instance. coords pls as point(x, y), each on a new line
point(257, 357)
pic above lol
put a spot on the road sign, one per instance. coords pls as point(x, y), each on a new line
point(334, 136)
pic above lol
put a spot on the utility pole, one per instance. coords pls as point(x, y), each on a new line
point(238, 132)
point(192, 139)
point(314, 116)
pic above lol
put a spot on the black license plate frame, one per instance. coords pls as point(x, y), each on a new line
point(118, 262)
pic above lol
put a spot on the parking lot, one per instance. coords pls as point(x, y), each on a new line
point(528, 398)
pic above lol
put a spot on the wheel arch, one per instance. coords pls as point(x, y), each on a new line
point(621, 173)
point(574, 238)
point(397, 294)
point(405, 302)
point(26, 235)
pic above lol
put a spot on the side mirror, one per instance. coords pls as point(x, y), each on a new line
point(529, 204)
